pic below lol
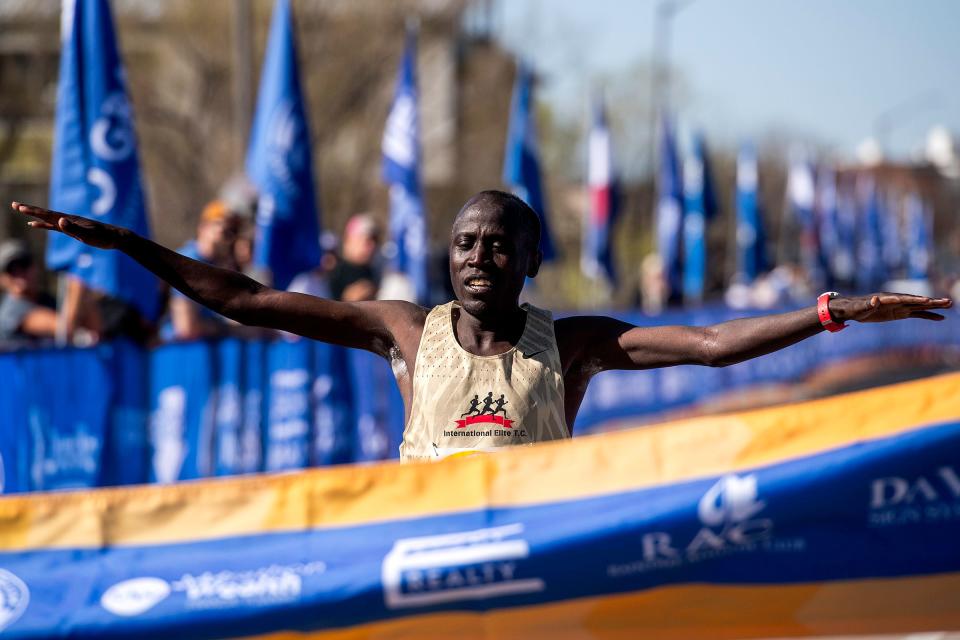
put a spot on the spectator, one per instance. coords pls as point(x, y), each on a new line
point(27, 315)
point(315, 281)
point(355, 277)
point(215, 244)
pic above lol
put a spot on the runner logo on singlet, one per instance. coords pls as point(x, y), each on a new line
point(487, 414)
point(484, 418)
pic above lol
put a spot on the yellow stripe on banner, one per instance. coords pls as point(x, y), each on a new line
point(584, 467)
point(706, 612)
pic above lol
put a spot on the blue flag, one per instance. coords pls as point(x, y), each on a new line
point(521, 163)
point(279, 162)
point(401, 170)
point(893, 244)
point(670, 210)
point(845, 258)
point(596, 259)
point(95, 171)
point(918, 239)
point(701, 205)
point(751, 240)
point(801, 196)
point(871, 273)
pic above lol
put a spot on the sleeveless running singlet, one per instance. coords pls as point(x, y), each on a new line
point(464, 403)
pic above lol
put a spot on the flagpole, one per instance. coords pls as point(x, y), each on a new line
point(60, 337)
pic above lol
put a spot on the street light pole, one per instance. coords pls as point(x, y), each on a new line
point(242, 74)
point(897, 114)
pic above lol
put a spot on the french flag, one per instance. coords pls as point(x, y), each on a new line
point(597, 254)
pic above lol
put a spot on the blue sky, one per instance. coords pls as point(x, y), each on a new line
point(818, 69)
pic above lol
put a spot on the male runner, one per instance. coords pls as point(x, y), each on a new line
point(485, 342)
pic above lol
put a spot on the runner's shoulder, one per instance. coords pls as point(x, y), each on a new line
point(576, 328)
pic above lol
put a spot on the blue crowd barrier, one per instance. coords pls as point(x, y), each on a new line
point(116, 414)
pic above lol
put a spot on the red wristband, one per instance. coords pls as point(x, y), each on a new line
point(823, 312)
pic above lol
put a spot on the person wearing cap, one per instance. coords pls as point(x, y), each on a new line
point(26, 313)
point(217, 234)
point(355, 277)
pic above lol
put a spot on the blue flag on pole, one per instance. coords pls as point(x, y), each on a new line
point(597, 253)
point(670, 209)
point(870, 267)
point(401, 170)
point(801, 196)
point(701, 205)
point(279, 162)
point(521, 164)
point(893, 244)
point(751, 240)
point(828, 224)
point(95, 171)
point(845, 258)
point(918, 239)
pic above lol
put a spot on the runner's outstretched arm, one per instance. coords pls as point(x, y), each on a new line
point(600, 343)
point(364, 325)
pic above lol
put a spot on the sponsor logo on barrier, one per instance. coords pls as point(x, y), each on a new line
point(918, 499)
point(467, 565)
point(729, 513)
point(221, 590)
point(14, 598)
point(133, 597)
point(167, 428)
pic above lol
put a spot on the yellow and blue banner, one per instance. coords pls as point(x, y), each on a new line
point(834, 516)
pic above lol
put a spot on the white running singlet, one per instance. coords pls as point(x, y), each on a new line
point(463, 403)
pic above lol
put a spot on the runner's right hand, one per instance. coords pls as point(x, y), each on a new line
point(91, 232)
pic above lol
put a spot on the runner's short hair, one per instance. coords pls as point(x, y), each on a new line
point(511, 205)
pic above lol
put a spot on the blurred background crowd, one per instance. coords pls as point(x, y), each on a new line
point(374, 121)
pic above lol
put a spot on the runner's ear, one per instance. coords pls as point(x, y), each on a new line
point(533, 263)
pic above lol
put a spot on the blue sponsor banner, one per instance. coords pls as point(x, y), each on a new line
point(126, 453)
point(182, 400)
point(830, 517)
point(66, 423)
point(14, 443)
point(289, 415)
point(332, 406)
point(254, 392)
point(378, 407)
point(228, 414)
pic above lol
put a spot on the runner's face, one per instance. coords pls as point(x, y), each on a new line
point(489, 260)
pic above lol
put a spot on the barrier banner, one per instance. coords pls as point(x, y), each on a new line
point(377, 405)
point(838, 516)
point(14, 443)
point(228, 414)
point(332, 401)
point(287, 431)
point(251, 434)
point(126, 453)
point(182, 402)
point(67, 423)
